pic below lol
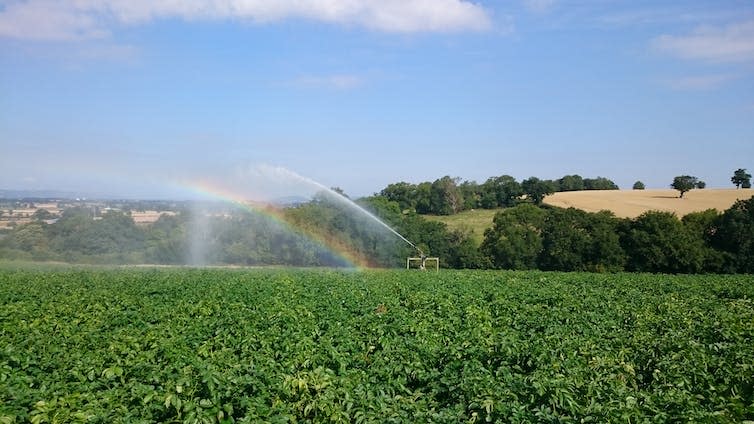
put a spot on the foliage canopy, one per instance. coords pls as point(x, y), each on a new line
point(684, 183)
point(221, 346)
point(741, 178)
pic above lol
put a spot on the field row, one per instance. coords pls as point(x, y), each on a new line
point(183, 345)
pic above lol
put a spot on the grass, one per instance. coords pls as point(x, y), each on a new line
point(473, 221)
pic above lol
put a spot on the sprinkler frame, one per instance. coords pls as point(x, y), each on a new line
point(423, 261)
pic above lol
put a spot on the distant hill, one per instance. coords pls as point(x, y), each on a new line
point(623, 203)
point(632, 203)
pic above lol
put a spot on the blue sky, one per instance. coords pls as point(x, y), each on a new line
point(134, 97)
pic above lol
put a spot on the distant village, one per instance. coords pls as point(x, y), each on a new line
point(15, 212)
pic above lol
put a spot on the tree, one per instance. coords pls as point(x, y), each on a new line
point(339, 191)
point(741, 178)
point(571, 183)
point(42, 215)
point(462, 252)
point(735, 234)
point(31, 237)
point(659, 242)
point(502, 191)
point(639, 185)
point(704, 224)
point(684, 183)
point(599, 183)
point(575, 240)
point(423, 197)
point(515, 239)
point(536, 189)
point(471, 192)
point(67, 235)
point(166, 240)
point(402, 192)
point(114, 233)
point(445, 197)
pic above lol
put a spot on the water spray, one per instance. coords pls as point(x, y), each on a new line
point(422, 259)
point(290, 174)
point(282, 175)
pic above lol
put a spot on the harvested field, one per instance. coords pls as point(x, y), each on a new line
point(632, 203)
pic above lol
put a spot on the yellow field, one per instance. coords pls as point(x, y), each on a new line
point(632, 203)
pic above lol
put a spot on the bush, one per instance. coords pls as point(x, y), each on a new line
point(659, 242)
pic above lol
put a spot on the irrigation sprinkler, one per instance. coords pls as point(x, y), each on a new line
point(422, 259)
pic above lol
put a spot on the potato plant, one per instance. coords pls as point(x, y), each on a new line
point(240, 346)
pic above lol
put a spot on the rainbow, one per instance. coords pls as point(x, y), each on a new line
point(336, 247)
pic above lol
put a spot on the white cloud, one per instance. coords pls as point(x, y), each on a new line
point(701, 82)
point(731, 43)
point(86, 19)
point(48, 20)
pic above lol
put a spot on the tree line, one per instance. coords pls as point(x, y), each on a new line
point(530, 237)
point(447, 196)
point(315, 233)
point(524, 234)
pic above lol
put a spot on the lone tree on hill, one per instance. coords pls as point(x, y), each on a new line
point(684, 183)
point(639, 185)
point(536, 189)
point(741, 179)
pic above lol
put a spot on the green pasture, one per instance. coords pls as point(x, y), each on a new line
point(473, 222)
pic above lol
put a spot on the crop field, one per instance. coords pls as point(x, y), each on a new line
point(632, 203)
point(265, 345)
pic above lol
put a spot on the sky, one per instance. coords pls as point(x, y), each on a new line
point(145, 99)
